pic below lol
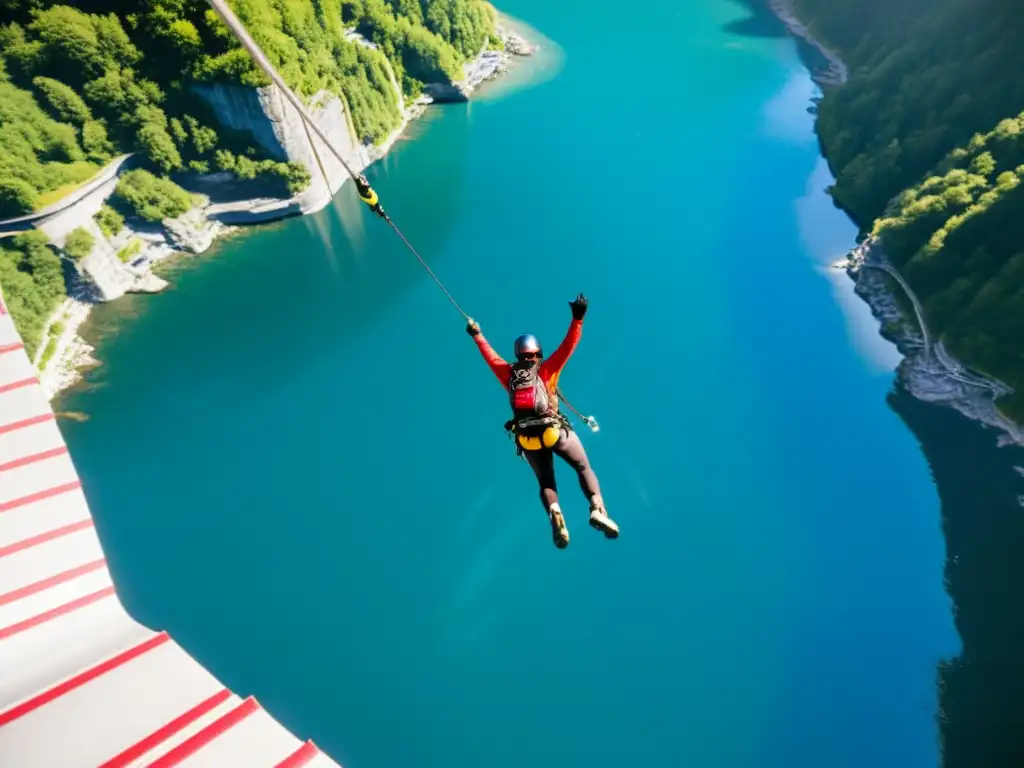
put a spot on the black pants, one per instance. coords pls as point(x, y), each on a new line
point(569, 449)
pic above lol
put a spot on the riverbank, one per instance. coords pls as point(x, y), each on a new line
point(927, 371)
point(65, 355)
point(838, 72)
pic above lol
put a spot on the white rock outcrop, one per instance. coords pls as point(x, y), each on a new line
point(277, 128)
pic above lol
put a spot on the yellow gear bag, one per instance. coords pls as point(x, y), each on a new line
point(547, 440)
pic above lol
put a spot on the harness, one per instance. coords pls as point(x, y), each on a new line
point(535, 422)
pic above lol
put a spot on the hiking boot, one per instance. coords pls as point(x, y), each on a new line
point(599, 519)
point(559, 532)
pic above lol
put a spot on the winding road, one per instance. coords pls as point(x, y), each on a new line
point(11, 227)
point(937, 351)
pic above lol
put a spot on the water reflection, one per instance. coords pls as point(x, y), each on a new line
point(981, 691)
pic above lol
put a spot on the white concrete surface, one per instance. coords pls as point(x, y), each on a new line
point(81, 683)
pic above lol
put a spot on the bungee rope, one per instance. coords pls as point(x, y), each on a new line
point(366, 192)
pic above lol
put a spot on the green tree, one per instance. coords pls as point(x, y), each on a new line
point(79, 243)
point(17, 197)
point(151, 197)
point(109, 221)
point(62, 99)
point(33, 284)
point(95, 141)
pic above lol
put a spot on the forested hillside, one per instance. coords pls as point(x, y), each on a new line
point(927, 138)
point(80, 85)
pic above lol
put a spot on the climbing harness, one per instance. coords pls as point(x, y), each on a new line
point(366, 192)
point(547, 439)
point(533, 417)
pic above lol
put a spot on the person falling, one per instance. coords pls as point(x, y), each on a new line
point(541, 431)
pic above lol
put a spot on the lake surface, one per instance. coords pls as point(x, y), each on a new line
point(297, 464)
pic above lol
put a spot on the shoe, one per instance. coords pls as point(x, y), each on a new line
point(599, 519)
point(559, 532)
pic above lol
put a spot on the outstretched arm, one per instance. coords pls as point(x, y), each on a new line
point(554, 364)
point(560, 356)
point(494, 361)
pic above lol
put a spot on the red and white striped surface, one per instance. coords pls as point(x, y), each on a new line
point(81, 683)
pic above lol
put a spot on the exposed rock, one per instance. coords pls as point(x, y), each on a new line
point(516, 45)
point(278, 129)
point(148, 283)
point(935, 377)
point(193, 231)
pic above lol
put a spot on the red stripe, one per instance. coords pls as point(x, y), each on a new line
point(42, 538)
point(158, 737)
point(300, 756)
point(25, 460)
point(81, 679)
point(199, 740)
point(40, 495)
point(18, 384)
point(25, 423)
point(10, 348)
point(54, 613)
point(52, 581)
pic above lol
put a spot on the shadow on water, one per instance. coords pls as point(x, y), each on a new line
point(980, 488)
point(763, 23)
point(760, 23)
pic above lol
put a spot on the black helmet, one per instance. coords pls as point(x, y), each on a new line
point(527, 343)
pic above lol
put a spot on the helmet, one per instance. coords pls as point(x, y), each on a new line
point(527, 343)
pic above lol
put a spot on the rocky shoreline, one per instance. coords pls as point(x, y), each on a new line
point(932, 376)
point(195, 231)
point(838, 72)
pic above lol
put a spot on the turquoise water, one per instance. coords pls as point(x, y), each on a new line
point(297, 463)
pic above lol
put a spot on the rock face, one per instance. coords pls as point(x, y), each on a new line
point(934, 377)
point(517, 45)
point(278, 129)
point(192, 231)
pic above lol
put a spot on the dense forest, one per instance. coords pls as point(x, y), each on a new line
point(927, 143)
point(81, 85)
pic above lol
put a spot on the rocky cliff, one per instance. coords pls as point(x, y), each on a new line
point(277, 128)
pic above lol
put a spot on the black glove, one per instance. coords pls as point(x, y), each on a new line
point(579, 307)
point(473, 328)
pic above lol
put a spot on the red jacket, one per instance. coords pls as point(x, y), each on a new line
point(550, 368)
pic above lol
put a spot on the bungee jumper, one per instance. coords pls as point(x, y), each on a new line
point(540, 430)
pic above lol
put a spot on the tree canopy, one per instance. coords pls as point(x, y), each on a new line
point(927, 142)
point(80, 85)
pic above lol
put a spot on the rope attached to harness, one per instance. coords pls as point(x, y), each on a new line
point(366, 192)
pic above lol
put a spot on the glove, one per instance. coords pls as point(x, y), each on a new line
point(579, 307)
point(473, 328)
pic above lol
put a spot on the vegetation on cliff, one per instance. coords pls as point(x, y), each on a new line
point(76, 90)
point(33, 283)
point(927, 142)
point(80, 85)
point(79, 243)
